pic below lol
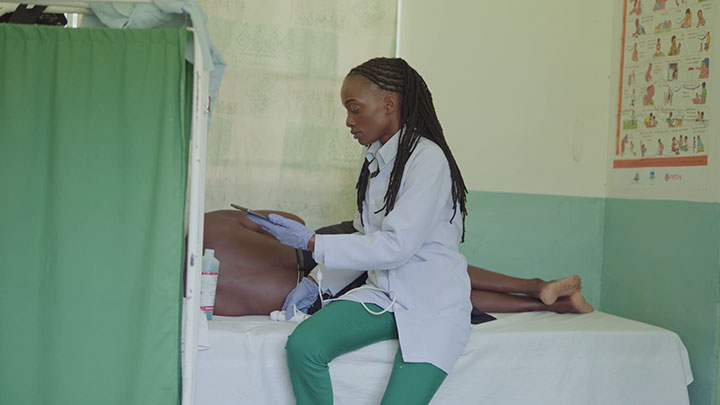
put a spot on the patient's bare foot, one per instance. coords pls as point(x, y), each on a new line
point(550, 292)
point(579, 305)
point(574, 303)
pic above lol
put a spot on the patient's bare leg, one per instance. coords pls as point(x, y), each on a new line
point(548, 292)
point(488, 301)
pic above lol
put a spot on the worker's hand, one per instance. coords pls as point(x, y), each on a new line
point(302, 298)
point(287, 231)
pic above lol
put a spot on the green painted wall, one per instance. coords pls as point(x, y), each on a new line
point(653, 261)
point(661, 265)
point(531, 235)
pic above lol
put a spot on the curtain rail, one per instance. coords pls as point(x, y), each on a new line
point(65, 7)
point(72, 3)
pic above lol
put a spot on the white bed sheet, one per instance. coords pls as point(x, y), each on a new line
point(538, 358)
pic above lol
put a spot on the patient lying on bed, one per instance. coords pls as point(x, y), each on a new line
point(257, 272)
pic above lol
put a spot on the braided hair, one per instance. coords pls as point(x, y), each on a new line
point(418, 120)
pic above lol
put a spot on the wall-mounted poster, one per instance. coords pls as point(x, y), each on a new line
point(665, 92)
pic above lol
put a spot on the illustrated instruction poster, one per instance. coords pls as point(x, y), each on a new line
point(665, 93)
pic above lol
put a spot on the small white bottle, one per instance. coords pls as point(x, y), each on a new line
point(208, 282)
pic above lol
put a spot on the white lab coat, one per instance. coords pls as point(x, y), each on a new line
point(413, 252)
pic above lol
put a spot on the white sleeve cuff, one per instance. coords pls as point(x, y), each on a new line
point(319, 252)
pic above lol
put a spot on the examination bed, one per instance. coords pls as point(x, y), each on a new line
point(522, 358)
point(538, 358)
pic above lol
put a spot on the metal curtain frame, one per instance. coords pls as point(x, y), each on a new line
point(196, 223)
point(70, 7)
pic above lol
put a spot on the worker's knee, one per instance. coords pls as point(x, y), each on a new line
point(302, 347)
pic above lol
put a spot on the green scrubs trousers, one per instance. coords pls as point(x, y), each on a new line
point(344, 326)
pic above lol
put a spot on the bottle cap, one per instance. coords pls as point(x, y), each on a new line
point(210, 252)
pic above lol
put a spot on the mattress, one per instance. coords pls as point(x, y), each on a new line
point(539, 358)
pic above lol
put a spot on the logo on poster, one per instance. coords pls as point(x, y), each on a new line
point(672, 177)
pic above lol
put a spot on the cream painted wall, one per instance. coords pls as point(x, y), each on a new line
point(278, 139)
point(521, 88)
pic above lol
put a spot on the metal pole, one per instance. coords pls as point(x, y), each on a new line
point(62, 7)
point(201, 105)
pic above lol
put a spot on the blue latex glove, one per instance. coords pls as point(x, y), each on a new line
point(287, 231)
point(301, 297)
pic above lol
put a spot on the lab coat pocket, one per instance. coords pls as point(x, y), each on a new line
point(435, 285)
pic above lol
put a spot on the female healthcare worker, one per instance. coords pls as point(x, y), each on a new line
point(411, 209)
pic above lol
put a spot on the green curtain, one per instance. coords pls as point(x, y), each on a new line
point(93, 157)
